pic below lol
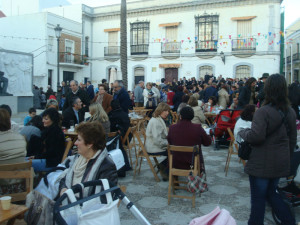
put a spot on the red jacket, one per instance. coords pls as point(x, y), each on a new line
point(186, 133)
point(170, 96)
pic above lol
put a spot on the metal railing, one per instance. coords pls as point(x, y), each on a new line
point(139, 49)
point(296, 56)
point(112, 51)
point(206, 46)
point(170, 47)
point(244, 44)
point(68, 57)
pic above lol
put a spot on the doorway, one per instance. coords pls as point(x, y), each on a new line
point(68, 76)
point(170, 74)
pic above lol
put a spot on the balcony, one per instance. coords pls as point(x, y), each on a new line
point(206, 46)
point(139, 49)
point(170, 49)
point(112, 51)
point(71, 59)
point(244, 45)
point(296, 57)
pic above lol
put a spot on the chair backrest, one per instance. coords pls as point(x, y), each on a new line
point(174, 148)
point(18, 171)
point(232, 140)
point(137, 134)
point(125, 139)
point(112, 134)
point(69, 145)
point(138, 108)
point(175, 117)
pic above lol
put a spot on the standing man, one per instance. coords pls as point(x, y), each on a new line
point(49, 92)
point(64, 88)
point(76, 91)
point(73, 115)
point(138, 94)
point(90, 90)
point(261, 92)
point(122, 95)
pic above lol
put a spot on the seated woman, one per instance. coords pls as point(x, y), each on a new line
point(52, 145)
point(185, 133)
point(184, 103)
point(244, 121)
point(92, 161)
point(12, 144)
point(199, 117)
point(98, 114)
point(156, 134)
point(211, 106)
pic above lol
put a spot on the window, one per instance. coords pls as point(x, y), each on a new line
point(139, 32)
point(171, 33)
point(50, 43)
point(50, 77)
point(86, 46)
point(242, 72)
point(69, 46)
point(139, 74)
point(207, 32)
point(244, 28)
point(205, 70)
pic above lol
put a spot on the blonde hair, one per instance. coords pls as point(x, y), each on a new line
point(196, 95)
point(98, 113)
point(149, 83)
point(160, 108)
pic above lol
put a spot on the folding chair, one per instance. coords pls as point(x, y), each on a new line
point(181, 172)
point(127, 145)
point(18, 171)
point(231, 151)
point(69, 145)
point(175, 117)
point(142, 153)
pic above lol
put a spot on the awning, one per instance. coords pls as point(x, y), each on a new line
point(169, 65)
point(243, 18)
point(111, 29)
point(169, 24)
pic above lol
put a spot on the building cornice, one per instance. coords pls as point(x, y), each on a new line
point(189, 6)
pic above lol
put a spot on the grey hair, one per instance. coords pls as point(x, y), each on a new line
point(51, 102)
point(76, 82)
point(120, 83)
point(74, 100)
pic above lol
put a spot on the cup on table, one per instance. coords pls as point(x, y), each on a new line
point(5, 202)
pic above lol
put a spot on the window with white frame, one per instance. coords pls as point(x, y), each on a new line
point(69, 51)
point(242, 71)
point(244, 28)
point(50, 43)
point(205, 70)
point(139, 74)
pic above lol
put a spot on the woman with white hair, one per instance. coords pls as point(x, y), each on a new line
point(98, 114)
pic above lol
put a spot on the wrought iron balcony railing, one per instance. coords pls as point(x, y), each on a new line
point(170, 47)
point(244, 44)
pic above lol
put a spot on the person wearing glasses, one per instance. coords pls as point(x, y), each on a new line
point(122, 95)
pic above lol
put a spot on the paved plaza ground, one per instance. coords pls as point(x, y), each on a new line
point(150, 197)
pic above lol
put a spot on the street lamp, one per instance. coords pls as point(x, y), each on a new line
point(222, 55)
point(58, 30)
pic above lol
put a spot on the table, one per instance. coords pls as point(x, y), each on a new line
point(15, 211)
point(71, 134)
point(210, 117)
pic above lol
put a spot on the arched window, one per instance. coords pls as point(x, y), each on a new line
point(242, 71)
point(139, 74)
point(203, 70)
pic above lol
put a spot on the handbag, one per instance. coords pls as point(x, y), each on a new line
point(92, 212)
point(40, 209)
point(196, 184)
point(115, 153)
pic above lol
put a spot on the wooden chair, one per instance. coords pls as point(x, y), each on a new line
point(69, 145)
point(127, 145)
point(175, 117)
point(139, 108)
point(231, 151)
point(112, 134)
point(142, 153)
point(18, 171)
point(180, 172)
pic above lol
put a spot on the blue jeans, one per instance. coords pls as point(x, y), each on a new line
point(39, 165)
point(262, 190)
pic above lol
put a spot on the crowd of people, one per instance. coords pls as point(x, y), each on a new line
point(265, 105)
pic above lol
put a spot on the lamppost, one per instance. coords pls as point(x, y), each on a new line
point(58, 30)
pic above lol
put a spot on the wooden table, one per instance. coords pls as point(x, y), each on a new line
point(15, 211)
point(71, 134)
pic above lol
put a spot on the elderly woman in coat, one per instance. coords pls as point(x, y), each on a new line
point(223, 97)
point(156, 133)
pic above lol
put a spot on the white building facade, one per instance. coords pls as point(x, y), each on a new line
point(34, 33)
point(175, 38)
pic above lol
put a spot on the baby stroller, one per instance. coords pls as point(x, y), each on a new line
point(88, 211)
point(225, 119)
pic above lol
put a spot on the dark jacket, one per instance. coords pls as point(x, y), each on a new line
point(244, 97)
point(107, 170)
point(90, 91)
point(53, 140)
point(69, 115)
point(119, 120)
point(185, 133)
point(177, 99)
point(261, 94)
point(210, 91)
point(124, 99)
point(83, 97)
point(270, 156)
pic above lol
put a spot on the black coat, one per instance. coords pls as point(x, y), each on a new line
point(177, 99)
point(83, 97)
point(69, 115)
point(119, 120)
point(244, 97)
point(90, 91)
point(271, 150)
point(124, 99)
point(53, 140)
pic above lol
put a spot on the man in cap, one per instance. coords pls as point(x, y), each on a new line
point(261, 93)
